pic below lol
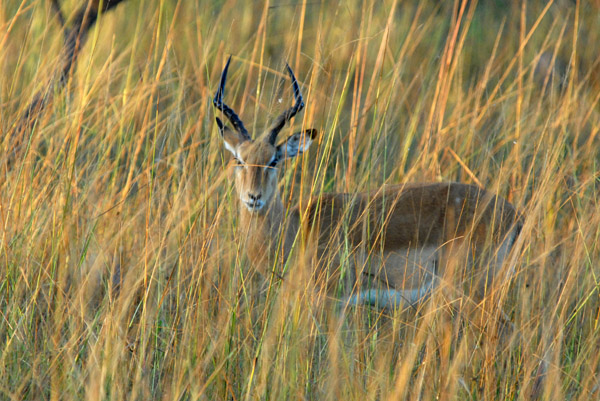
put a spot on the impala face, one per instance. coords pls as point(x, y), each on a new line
point(256, 161)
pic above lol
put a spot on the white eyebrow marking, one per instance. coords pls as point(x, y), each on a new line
point(239, 159)
point(268, 166)
point(232, 149)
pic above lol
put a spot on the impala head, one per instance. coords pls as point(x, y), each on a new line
point(257, 159)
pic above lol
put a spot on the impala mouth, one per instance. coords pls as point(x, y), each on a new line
point(254, 205)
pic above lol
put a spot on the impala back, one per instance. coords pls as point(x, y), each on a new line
point(402, 236)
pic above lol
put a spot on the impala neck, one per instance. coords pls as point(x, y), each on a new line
point(262, 233)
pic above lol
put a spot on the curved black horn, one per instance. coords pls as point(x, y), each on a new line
point(238, 125)
point(289, 113)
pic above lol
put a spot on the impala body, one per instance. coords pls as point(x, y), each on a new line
point(381, 247)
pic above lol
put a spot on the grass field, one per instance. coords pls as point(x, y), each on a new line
point(122, 182)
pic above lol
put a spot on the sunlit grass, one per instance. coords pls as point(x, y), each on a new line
point(123, 182)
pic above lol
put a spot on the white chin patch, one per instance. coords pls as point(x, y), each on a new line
point(254, 206)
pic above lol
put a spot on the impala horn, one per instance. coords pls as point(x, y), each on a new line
point(289, 113)
point(237, 123)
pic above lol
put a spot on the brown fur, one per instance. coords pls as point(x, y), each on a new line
point(395, 236)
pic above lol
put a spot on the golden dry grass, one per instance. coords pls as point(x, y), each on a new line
point(124, 176)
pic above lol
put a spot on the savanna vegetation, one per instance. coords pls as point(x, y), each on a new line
point(122, 275)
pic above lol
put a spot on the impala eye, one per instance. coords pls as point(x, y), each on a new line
point(273, 162)
point(238, 162)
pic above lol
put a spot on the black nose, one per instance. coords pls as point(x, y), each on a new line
point(254, 197)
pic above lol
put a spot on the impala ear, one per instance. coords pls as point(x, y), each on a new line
point(296, 144)
point(231, 138)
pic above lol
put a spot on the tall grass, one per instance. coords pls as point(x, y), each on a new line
point(122, 275)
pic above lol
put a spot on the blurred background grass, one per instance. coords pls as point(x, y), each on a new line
point(122, 182)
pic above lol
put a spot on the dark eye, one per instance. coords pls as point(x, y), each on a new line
point(238, 162)
point(273, 162)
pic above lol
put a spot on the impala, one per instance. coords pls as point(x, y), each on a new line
point(381, 247)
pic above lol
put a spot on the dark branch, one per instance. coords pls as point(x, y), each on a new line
point(289, 113)
point(59, 14)
point(106, 4)
point(237, 123)
point(74, 40)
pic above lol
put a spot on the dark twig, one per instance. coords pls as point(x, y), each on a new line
point(74, 39)
point(59, 14)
